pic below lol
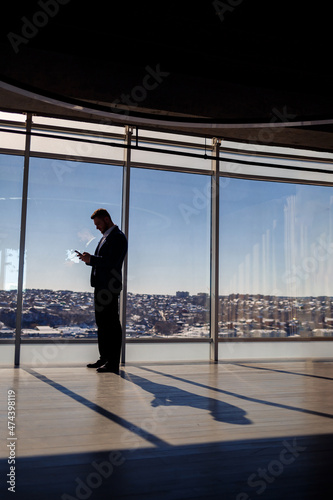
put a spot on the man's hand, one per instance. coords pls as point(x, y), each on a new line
point(85, 257)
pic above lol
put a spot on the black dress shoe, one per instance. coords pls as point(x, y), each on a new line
point(98, 363)
point(107, 368)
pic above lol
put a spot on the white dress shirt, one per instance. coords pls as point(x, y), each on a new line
point(100, 244)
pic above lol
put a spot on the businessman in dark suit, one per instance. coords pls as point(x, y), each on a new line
point(106, 279)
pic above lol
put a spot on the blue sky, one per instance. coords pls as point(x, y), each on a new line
point(274, 237)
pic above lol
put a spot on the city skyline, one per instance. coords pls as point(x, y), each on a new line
point(66, 314)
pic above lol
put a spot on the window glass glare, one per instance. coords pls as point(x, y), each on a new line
point(11, 178)
point(102, 127)
point(82, 147)
point(276, 259)
point(16, 117)
point(164, 136)
point(283, 168)
point(172, 156)
point(252, 146)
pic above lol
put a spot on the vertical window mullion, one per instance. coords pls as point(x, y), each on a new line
point(214, 263)
point(22, 240)
point(125, 229)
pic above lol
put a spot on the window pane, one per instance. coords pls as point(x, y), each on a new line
point(254, 148)
point(12, 132)
point(279, 168)
point(11, 177)
point(103, 127)
point(80, 150)
point(62, 197)
point(172, 155)
point(169, 249)
point(77, 139)
point(168, 136)
point(276, 259)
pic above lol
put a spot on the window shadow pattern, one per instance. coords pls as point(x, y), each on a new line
point(169, 395)
point(164, 395)
point(222, 469)
point(287, 372)
point(241, 396)
point(139, 431)
point(237, 470)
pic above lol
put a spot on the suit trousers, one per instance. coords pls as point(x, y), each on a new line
point(109, 331)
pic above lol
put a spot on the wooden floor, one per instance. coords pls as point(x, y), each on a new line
point(198, 431)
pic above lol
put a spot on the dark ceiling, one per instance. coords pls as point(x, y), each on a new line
point(232, 61)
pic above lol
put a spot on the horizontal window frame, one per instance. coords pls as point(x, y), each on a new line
point(189, 340)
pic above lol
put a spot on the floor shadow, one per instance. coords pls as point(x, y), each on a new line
point(287, 372)
point(242, 396)
point(283, 468)
point(139, 431)
point(169, 395)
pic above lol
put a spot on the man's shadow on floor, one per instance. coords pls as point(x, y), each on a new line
point(168, 395)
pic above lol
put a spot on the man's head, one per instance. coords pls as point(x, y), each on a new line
point(102, 220)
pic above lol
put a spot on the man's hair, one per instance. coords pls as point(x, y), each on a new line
point(101, 213)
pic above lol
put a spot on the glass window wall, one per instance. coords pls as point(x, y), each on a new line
point(276, 248)
point(276, 259)
point(12, 132)
point(169, 252)
point(11, 180)
point(62, 196)
point(290, 169)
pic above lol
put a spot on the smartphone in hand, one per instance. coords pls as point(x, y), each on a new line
point(78, 253)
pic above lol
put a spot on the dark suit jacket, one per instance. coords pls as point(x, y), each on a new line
point(106, 267)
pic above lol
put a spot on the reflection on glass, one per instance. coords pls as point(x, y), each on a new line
point(62, 197)
point(169, 251)
point(276, 259)
point(11, 176)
